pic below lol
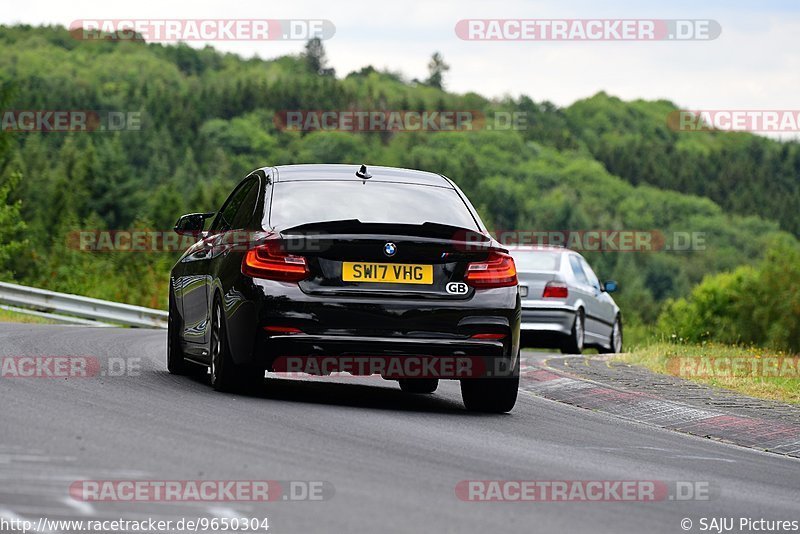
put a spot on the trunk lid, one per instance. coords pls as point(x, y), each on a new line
point(386, 260)
point(532, 283)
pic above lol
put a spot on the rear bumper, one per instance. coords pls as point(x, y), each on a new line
point(359, 325)
point(547, 319)
point(309, 345)
point(392, 357)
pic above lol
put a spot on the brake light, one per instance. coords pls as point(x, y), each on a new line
point(488, 336)
point(555, 290)
point(497, 271)
point(270, 262)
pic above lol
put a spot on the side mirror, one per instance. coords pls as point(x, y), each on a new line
point(610, 286)
point(192, 224)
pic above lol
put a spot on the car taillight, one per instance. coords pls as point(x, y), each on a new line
point(497, 271)
point(269, 261)
point(488, 336)
point(555, 290)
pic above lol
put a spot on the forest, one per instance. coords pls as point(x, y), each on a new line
point(206, 118)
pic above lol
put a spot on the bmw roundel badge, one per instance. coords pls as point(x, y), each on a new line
point(389, 249)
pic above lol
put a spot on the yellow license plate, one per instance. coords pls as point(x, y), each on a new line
point(390, 273)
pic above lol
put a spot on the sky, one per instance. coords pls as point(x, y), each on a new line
point(753, 64)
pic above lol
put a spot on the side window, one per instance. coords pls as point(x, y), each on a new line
point(242, 218)
point(593, 281)
point(225, 217)
point(577, 270)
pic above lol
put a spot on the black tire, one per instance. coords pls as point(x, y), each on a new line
point(225, 374)
point(176, 364)
point(419, 385)
point(615, 341)
point(574, 343)
point(491, 395)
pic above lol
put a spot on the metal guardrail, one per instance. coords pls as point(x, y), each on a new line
point(60, 306)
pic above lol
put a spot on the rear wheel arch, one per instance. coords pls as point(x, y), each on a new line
point(612, 342)
point(581, 311)
point(576, 341)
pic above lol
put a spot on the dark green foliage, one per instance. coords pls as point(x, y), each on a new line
point(752, 305)
point(209, 118)
point(743, 173)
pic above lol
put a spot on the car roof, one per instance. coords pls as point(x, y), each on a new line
point(291, 173)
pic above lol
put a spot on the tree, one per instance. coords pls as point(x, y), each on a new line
point(12, 228)
point(436, 68)
point(315, 58)
point(209, 118)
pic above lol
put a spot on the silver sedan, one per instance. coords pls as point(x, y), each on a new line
point(563, 303)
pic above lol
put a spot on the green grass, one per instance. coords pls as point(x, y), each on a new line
point(683, 359)
point(638, 335)
point(14, 317)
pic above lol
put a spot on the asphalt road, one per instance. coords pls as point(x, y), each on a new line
point(394, 459)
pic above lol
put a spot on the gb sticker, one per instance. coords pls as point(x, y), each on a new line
point(457, 288)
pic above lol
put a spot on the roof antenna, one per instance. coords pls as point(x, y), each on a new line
point(362, 173)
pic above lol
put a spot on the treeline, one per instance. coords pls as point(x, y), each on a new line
point(743, 173)
point(208, 119)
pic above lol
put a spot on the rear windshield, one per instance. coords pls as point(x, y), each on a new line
point(536, 260)
point(302, 202)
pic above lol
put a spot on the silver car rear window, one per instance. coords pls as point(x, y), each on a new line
point(536, 260)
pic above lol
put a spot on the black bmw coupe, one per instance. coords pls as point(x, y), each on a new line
point(328, 268)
